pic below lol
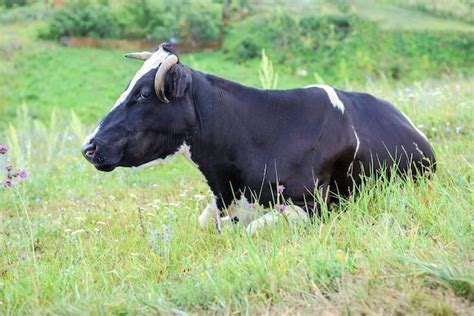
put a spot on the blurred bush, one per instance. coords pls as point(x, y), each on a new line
point(13, 3)
point(142, 19)
point(460, 9)
point(247, 48)
point(24, 13)
point(200, 20)
point(345, 47)
point(78, 20)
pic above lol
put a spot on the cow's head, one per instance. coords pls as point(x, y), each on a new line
point(151, 120)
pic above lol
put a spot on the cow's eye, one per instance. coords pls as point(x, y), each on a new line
point(144, 95)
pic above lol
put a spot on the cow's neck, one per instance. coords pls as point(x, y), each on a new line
point(222, 108)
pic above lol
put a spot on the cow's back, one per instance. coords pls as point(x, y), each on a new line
point(386, 134)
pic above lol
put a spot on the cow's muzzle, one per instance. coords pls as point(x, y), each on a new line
point(88, 151)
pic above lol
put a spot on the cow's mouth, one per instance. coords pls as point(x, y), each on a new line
point(105, 168)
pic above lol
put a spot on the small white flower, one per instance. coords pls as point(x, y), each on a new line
point(77, 232)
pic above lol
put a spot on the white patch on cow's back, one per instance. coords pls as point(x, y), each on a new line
point(414, 126)
point(151, 63)
point(358, 143)
point(336, 102)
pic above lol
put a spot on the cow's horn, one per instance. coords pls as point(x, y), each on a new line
point(140, 55)
point(160, 77)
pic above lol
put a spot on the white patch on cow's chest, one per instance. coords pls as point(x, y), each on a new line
point(416, 128)
point(152, 63)
point(184, 149)
point(336, 102)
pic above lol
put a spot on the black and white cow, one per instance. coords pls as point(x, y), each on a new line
point(248, 141)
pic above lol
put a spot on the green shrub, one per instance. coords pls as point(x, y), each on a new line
point(459, 9)
point(203, 20)
point(76, 20)
point(147, 18)
point(24, 13)
point(13, 3)
point(344, 48)
point(247, 49)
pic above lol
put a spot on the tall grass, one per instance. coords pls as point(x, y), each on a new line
point(73, 240)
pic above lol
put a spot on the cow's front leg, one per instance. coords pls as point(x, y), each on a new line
point(210, 212)
point(241, 209)
point(292, 213)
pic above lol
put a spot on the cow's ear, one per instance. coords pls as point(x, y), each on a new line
point(179, 78)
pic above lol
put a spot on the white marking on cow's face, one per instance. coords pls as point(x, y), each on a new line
point(358, 143)
point(336, 102)
point(88, 138)
point(414, 126)
point(151, 63)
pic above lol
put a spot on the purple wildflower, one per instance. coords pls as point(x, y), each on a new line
point(10, 175)
point(22, 174)
point(281, 208)
point(281, 188)
point(3, 149)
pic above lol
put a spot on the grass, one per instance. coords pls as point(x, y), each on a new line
point(73, 240)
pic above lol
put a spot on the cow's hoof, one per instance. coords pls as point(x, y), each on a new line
point(266, 220)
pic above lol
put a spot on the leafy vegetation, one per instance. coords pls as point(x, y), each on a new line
point(78, 20)
point(13, 3)
point(346, 48)
point(461, 9)
point(155, 19)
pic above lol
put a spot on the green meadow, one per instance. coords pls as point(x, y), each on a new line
point(77, 241)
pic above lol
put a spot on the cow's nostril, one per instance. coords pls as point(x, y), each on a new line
point(88, 150)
